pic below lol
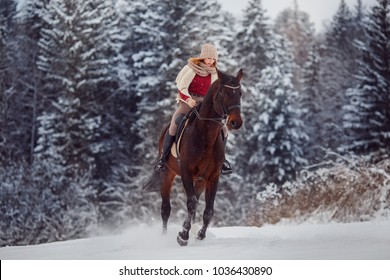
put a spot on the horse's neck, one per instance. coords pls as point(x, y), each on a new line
point(210, 129)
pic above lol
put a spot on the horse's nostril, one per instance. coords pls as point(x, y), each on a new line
point(235, 124)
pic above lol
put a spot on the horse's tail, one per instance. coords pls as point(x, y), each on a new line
point(153, 183)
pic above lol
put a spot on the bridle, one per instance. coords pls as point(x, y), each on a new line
point(226, 111)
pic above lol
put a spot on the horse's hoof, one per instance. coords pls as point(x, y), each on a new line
point(201, 237)
point(181, 241)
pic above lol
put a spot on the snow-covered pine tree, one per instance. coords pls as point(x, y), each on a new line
point(278, 131)
point(115, 103)
point(143, 23)
point(252, 41)
point(79, 53)
point(359, 14)
point(311, 102)
point(67, 207)
point(20, 220)
point(147, 58)
point(7, 19)
point(70, 63)
point(26, 80)
point(337, 72)
point(367, 115)
point(295, 25)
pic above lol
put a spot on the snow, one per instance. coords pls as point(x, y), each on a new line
point(305, 251)
point(353, 241)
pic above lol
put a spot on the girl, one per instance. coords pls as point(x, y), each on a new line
point(193, 82)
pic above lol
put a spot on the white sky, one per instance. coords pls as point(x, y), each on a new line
point(320, 11)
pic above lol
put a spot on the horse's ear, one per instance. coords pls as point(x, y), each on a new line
point(240, 74)
point(221, 76)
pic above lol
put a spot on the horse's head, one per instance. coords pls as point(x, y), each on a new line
point(227, 101)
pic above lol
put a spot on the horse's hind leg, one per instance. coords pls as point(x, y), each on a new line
point(166, 187)
point(208, 213)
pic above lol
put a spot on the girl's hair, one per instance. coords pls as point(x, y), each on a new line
point(197, 60)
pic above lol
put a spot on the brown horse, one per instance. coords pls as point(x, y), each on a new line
point(202, 153)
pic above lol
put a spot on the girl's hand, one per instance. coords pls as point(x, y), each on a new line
point(191, 102)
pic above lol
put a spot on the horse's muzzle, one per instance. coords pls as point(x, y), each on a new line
point(234, 121)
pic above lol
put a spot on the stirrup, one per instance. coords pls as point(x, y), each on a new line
point(226, 168)
point(160, 165)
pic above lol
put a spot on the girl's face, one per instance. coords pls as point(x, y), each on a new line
point(209, 61)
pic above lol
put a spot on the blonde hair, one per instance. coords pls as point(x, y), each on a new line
point(197, 61)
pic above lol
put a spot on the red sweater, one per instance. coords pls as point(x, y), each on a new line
point(199, 86)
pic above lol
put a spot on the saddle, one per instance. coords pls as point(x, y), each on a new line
point(182, 121)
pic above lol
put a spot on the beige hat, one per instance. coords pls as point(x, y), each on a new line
point(209, 51)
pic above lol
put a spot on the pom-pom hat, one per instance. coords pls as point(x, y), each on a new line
point(208, 51)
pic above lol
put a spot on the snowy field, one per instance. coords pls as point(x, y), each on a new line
point(354, 241)
point(306, 251)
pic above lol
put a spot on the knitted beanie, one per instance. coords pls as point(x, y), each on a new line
point(208, 51)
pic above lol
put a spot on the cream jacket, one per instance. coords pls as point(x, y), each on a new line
point(184, 79)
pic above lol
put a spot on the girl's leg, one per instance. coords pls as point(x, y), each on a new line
point(170, 137)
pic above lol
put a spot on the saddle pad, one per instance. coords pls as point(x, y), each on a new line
point(176, 145)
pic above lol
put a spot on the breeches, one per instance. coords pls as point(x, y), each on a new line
point(182, 109)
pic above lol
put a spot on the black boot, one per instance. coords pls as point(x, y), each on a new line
point(226, 167)
point(168, 141)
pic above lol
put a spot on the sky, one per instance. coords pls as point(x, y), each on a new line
point(233, 246)
point(320, 11)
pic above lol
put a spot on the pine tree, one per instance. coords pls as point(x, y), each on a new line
point(311, 102)
point(67, 207)
point(147, 59)
point(80, 58)
point(337, 72)
point(7, 80)
point(278, 130)
point(254, 36)
point(295, 25)
point(367, 116)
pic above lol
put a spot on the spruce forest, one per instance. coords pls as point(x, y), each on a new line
point(86, 86)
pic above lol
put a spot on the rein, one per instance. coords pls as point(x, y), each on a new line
point(226, 111)
point(221, 121)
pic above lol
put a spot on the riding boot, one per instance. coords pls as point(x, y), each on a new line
point(226, 167)
point(168, 141)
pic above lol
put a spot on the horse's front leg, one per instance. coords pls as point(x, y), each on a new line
point(192, 202)
point(211, 191)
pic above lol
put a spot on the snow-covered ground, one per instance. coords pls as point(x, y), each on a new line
point(305, 251)
point(354, 241)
